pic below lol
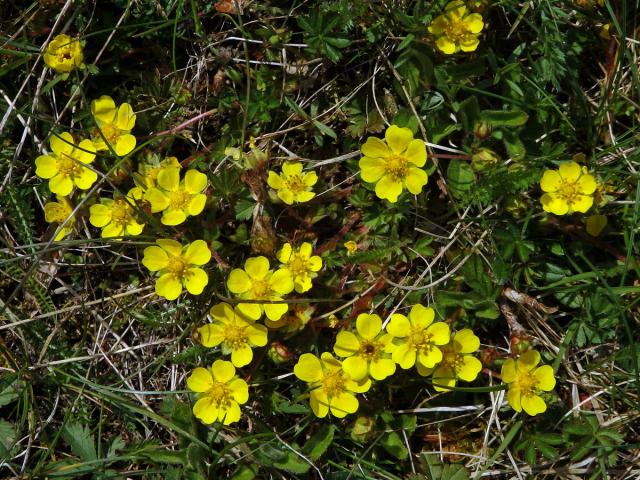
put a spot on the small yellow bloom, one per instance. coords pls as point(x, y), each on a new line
point(235, 332)
point(526, 382)
point(568, 189)
point(116, 217)
point(457, 362)
point(63, 54)
point(395, 164)
point(301, 264)
point(220, 393)
point(292, 186)
point(65, 167)
point(177, 199)
point(257, 282)
point(332, 389)
point(114, 124)
point(417, 338)
point(351, 246)
point(177, 266)
point(365, 351)
point(60, 212)
point(295, 319)
point(457, 29)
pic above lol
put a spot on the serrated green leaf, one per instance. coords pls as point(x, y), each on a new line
point(79, 438)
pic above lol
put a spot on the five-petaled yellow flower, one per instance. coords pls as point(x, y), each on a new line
point(417, 338)
point(394, 164)
point(234, 332)
point(220, 393)
point(177, 266)
point(568, 189)
point(257, 282)
point(116, 217)
point(177, 199)
point(63, 53)
point(332, 389)
point(302, 265)
point(65, 167)
point(293, 186)
point(60, 212)
point(457, 29)
point(457, 361)
point(526, 382)
point(365, 351)
point(114, 124)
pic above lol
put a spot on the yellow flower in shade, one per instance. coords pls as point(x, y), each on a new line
point(295, 319)
point(116, 217)
point(234, 332)
point(65, 167)
point(114, 124)
point(365, 351)
point(63, 54)
point(301, 264)
point(351, 247)
point(568, 189)
point(526, 382)
point(395, 164)
point(457, 362)
point(417, 338)
point(177, 266)
point(457, 29)
point(177, 199)
point(60, 212)
point(293, 186)
point(332, 389)
point(257, 282)
point(220, 393)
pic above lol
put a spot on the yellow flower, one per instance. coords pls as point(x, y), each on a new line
point(457, 362)
point(526, 382)
point(568, 189)
point(300, 264)
point(394, 164)
point(365, 351)
point(417, 338)
point(295, 319)
point(220, 393)
point(292, 186)
point(457, 29)
point(65, 167)
point(235, 332)
point(63, 53)
point(351, 246)
point(59, 212)
point(177, 266)
point(332, 389)
point(177, 199)
point(257, 282)
point(114, 124)
point(116, 217)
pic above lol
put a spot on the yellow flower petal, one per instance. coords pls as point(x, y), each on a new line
point(103, 109)
point(308, 369)
point(195, 281)
point(465, 341)
point(404, 356)
point(319, 403)
point(372, 169)
point(170, 246)
point(251, 310)
point(315, 263)
point(546, 380)
point(421, 316)
point(168, 286)
point(446, 46)
point(528, 360)
point(508, 372)
point(587, 184)
point(416, 152)
point(388, 188)
point(274, 311)
point(195, 181)
point(61, 184)
point(570, 171)
point(474, 23)
point(113, 230)
point(85, 152)
point(356, 367)
point(230, 415)
point(46, 166)
point(469, 368)
point(302, 197)
point(533, 404)
point(158, 200)
point(126, 119)
point(223, 371)
point(375, 148)
point(292, 168)
point(286, 196)
point(241, 356)
point(550, 181)
point(257, 335)
point(196, 204)
point(439, 25)
point(368, 326)
point(205, 410)
point(443, 377)
point(431, 357)
point(239, 281)
point(398, 138)
point(347, 344)
point(343, 404)
point(257, 267)
point(169, 179)
point(582, 203)
point(198, 253)
point(200, 380)
point(381, 368)
point(134, 228)
point(513, 397)
point(173, 217)
point(274, 180)
point(155, 258)
point(284, 254)
point(310, 179)
point(239, 390)
point(86, 179)
point(399, 325)
point(124, 144)
point(222, 311)
point(554, 204)
point(281, 281)
point(62, 144)
point(210, 335)
point(416, 179)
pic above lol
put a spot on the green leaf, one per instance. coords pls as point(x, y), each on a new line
point(325, 129)
point(245, 472)
point(504, 118)
point(436, 470)
point(393, 444)
point(11, 389)
point(7, 438)
point(79, 438)
point(460, 178)
point(244, 209)
point(319, 442)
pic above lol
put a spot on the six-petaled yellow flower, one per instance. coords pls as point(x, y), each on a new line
point(394, 165)
point(301, 264)
point(417, 338)
point(293, 186)
point(177, 266)
point(568, 189)
point(332, 389)
point(60, 212)
point(177, 199)
point(66, 166)
point(220, 393)
point(457, 29)
point(526, 382)
point(457, 361)
point(116, 217)
point(258, 282)
point(365, 352)
point(114, 126)
point(63, 53)
point(234, 332)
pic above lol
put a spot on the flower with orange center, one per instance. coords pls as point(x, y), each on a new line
point(526, 382)
point(302, 265)
point(568, 189)
point(114, 126)
point(63, 54)
point(457, 29)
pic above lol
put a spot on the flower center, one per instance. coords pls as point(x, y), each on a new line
point(295, 184)
point(456, 30)
point(333, 384)
point(177, 266)
point(120, 212)
point(68, 166)
point(261, 289)
point(568, 191)
point(235, 336)
point(397, 167)
point(220, 393)
point(110, 132)
point(420, 340)
point(179, 199)
point(452, 359)
point(298, 265)
point(370, 349)
point(528, 383)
